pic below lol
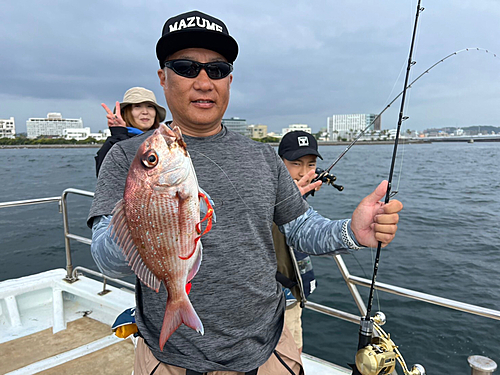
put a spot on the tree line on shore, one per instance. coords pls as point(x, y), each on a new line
point(23, 140)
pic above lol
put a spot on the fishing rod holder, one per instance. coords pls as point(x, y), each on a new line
point(481, 365)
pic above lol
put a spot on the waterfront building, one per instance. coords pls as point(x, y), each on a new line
point(295, 127)
point(52, 126)
point(8, 128)
point(237, 125)
point(102, 135)
point(323, 134)
point(79, 134)
point(348, 126)
point(274, 135)
point(257, 131)
point(391, 133)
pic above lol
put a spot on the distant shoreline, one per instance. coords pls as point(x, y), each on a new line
point(275, 144)
point(361, 143)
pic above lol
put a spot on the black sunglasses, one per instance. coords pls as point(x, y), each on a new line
point(191, 69)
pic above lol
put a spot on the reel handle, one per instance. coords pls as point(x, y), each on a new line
point(327, 179)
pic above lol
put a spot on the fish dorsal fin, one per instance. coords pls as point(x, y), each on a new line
point(177, 131)
point(120, 232)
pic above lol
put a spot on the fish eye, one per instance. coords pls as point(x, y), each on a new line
point(150, 159)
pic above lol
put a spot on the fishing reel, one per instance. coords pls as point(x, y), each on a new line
point(327, 179)
point(380, 355)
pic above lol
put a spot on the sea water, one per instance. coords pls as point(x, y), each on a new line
point(448, 242)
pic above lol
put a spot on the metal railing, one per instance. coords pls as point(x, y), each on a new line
point(68, 236)
point(351, 281)
point(71, 273)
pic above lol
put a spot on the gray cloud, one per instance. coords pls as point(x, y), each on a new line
point(299, 62)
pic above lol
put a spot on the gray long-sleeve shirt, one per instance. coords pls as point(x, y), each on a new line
point(310, 233)
point(235, 292)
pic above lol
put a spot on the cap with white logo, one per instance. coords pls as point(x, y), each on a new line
point(195, 30)
point(296, 144)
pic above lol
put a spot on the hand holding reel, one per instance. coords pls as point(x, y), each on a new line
point(327, 179)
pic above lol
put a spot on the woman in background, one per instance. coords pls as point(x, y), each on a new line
point(137, 113)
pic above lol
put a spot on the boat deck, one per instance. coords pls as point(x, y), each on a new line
point(47, 351)
point(49, 326)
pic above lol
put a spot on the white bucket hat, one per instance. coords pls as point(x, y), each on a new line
point(137, 95)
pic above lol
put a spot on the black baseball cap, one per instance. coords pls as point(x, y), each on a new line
point(195, 30)
point(296, 144)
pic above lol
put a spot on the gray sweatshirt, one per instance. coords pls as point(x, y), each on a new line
point(235, 292)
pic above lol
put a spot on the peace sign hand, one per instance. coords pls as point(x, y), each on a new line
point(114, 120)
point(305, 186)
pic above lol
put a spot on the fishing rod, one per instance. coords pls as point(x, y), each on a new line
point(324, 174)
point(378, 355)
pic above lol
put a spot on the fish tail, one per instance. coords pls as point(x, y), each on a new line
point(175, 315)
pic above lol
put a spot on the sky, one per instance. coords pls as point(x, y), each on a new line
point(299, 61)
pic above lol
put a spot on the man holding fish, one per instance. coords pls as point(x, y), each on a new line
point(207, 300)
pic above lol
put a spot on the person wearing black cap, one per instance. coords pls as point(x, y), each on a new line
point(299, 151)
point(235, 293)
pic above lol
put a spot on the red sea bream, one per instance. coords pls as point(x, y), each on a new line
point(157, 224)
